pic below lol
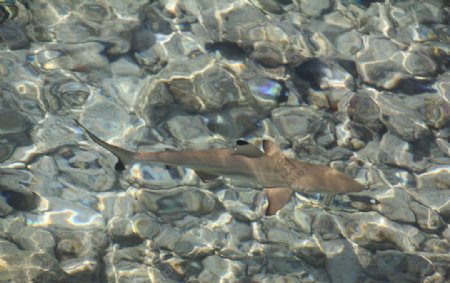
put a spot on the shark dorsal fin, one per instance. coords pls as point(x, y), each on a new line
point(247, 149)
point(270, 148)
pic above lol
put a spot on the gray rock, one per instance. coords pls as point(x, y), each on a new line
point(269, 54)
point(83, 168)
point(153, 59)
point(34, 239)
point(26, 237)
point(161, 177)
point(126, 67)
point(216, 268)
point(16, 192)
point(443, 86)
point(154, 95)
point(20, 265)
point(395, 205)
point(361, 108)
point(314, 8)
point(353, 135)
point(444, 146)
point(234, 123)
point(436, 245)
point(80, 244)
point(438, 200)
point(70, 246)
point(426, 218)
point(168, 237)
point(271, 6)
point(142, 38)
point(309, 250)
point(94, 12)
point(240, 211)
point(120, 229)
point(60, 215)
point(12, 122)
point(198, 130)
point(377, 48)
point(373, 231)
point(385, 74)
point(303, 221)
point(13, 35)
point(429, 12)
point(267, 93)
point(5, 209)
point(436, 178)
point(72, 30)
point(127, 264)
point(326, 225)
point(413, 266)
point(446, 233)
point(383, 64)
point(340, 19)
point(297, 122)
point(216, 87)
point(62, 93)
point(175, 201)
point(342, 263)
point(418, 64)
point(125, 88)
point(113, 204)
point(192, 248)
point(349, 43)
point(82, 268)
point(291, 270)
point(409, 126)
point(145, 225)
point(84, 57)
point(14, 130)
point(230, 23)
point(397, 152)
point(437, 112)
point(101, 116)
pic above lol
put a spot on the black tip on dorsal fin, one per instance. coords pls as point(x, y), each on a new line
point(241, 142)
point(119, 166)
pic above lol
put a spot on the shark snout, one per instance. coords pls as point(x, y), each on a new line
point(345, 184)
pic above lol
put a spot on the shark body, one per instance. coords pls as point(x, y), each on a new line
point(270, 169)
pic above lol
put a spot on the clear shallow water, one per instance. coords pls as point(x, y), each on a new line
point(360, 86)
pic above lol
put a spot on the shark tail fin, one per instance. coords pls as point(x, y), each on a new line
point(124, 156)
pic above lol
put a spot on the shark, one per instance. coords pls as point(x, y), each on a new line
point(269, 169)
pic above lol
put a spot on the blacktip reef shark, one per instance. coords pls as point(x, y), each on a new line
point(270, 169)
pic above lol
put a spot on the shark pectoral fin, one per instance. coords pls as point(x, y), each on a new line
point(206, 177)
point(270, 148)
point(277, 198)
point(247, 149)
